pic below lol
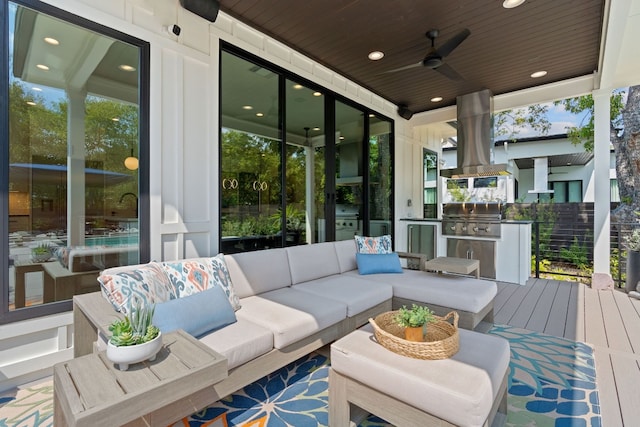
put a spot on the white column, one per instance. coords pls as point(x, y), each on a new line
point(602, 217)
point(75, 168)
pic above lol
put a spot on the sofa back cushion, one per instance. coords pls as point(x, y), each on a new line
point(146, 283)
point(194, 275)
point(346, 252)
point(309, 262)
point(253, 273)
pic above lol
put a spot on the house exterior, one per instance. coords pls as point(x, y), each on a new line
point(570, 172)
point(181, 207)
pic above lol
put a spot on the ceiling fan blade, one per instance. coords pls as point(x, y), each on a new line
point(406, 67)
point(447, 47)
point(449, 72)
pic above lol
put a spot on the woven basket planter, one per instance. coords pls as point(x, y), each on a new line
point(440, 342)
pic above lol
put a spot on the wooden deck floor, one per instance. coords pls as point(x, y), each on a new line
point(607, 320)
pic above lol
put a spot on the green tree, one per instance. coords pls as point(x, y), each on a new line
point(624, 135)
point(508, 123)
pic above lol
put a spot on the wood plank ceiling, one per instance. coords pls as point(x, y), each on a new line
point(504, 48)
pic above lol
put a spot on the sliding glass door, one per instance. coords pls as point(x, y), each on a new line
point(293, 161)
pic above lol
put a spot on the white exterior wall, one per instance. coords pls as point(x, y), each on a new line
point(184, 147)
point(525, 177)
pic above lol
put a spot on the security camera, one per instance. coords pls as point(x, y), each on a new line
point(174, 29)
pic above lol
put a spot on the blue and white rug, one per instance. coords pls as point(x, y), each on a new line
point(551, 383)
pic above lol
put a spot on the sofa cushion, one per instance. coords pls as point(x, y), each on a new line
point(308, 262)
point(147, 283)
point(253, 273)
point(373, 245)
point(290, 314)
point(222, 278)
point(189, 276)
point(460, 389)
point(456, 292)
point(346, 252)
point(358, 294)
point(240, 342)
point(378, 263)
point(196, 314)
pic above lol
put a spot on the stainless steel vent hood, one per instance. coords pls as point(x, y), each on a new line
point(475, 137)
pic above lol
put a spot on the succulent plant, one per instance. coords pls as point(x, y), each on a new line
point(136, 328)
point(414, 317)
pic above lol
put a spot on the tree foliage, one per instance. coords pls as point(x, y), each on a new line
point(509, 123)
point(624, 135)
point(584, 133)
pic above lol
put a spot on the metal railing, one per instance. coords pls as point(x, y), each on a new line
point(567, 250)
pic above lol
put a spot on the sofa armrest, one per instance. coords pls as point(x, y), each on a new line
point(415, 261)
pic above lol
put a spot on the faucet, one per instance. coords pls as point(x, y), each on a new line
point(130, 194)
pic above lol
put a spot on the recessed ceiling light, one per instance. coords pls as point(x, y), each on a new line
point(31, 103)
point(259, 114)
point(341, 138)
point(510, 4)
point(538, 74)
point(125, 67)
point(36, 89)
point(51, 41)
point(436, 99)
point(115, 119)
point(247, 107)
point(43, 67)
point(316, 128)
point(297, 86)
point(317, 94)
point(376, 55)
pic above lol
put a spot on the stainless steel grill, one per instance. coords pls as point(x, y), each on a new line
point(472, 219)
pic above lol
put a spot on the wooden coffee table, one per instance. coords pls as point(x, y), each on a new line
point(91, 391)
point(454, 265)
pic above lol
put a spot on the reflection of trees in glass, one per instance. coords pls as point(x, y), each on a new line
point(251, 188)
point(38, 135)
point(380, 177)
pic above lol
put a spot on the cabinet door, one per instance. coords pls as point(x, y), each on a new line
point(422, 239)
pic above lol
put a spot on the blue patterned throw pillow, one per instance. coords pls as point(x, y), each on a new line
point(373, 245)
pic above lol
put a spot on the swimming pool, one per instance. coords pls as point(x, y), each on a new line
point(117, 240)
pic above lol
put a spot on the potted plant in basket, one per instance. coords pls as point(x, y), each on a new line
point(414, 320)
point(632, 242)
point(134, 338)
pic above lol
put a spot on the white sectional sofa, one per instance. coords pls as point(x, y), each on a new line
point(295, 300)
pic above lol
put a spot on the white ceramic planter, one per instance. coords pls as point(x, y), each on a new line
point(125, 355)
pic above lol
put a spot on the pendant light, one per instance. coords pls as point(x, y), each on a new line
point(131, 162)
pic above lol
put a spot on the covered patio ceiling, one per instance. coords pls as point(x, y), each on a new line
point(593, 41)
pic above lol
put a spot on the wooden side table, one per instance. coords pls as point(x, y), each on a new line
point(22, 268)
point(91, 391)
point(454, 265)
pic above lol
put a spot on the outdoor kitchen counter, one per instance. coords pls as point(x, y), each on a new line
point(512, 248)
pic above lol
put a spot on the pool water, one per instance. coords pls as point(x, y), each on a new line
point(125, 239)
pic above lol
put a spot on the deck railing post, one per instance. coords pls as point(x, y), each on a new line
point(537, 241)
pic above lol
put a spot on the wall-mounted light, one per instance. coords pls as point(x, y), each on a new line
point(131, 162)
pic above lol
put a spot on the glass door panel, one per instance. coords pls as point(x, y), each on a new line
point(305, 177)
point(380, 177)
point(349, 138)
point(251, 194)
point(430, 185)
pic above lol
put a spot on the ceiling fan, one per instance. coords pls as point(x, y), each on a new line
point(435, 56)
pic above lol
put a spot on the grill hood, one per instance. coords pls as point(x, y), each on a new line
point(475, 138)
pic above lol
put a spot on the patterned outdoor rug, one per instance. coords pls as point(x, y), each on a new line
point(551, 383)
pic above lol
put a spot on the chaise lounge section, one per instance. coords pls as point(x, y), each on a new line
point(293, 301)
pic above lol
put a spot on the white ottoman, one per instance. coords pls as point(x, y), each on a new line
point(467, 389)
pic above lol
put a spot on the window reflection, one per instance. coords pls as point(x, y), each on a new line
point(74, 119)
